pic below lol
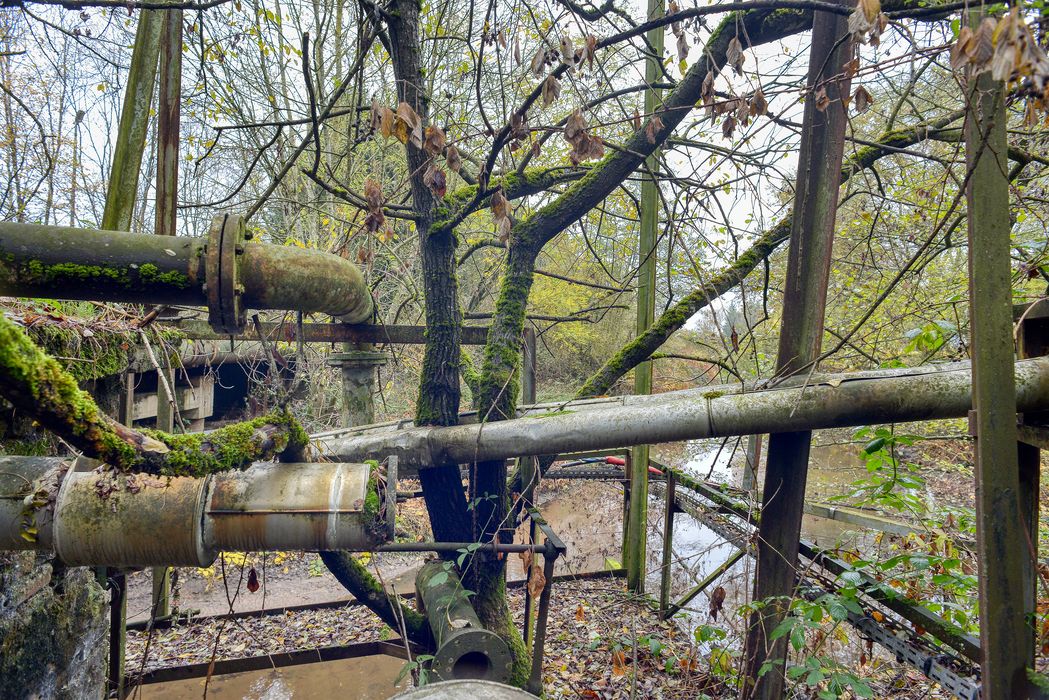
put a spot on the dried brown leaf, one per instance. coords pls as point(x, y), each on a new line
point(717, 602)
point(652, 129)
point(538, 64)
point(373, 194)
point(758, 104)
point(551, 90)
point(822, 99)
point(728, 127)
point(436, 180)
point(452, 159)
point(536, 581)
point(434, 141)
point(862, 100)
point(500, 206)
point(734, 55)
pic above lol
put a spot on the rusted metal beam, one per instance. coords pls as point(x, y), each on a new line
point(1001, 533)
point(804, 303)
point(328, 333)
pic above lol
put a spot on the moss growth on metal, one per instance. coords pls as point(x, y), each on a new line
point(371, 499)
point(137, 278)
point(713, 395)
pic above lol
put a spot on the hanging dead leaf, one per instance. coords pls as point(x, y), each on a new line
point(652, 129)
point(526, 559)
point(637, 120)
point(870, 9)
point(706, 90)
point(981, 48)
point(590, 53)
point(375, 115)
point(538, 64)
point(728, 127)
point(821, 98)
point(253, 580)
point(682, 47)
point(536, 581)
point(500, 207)
point(434, 141)
point(567, 52)
point(734, 55)
point(575, 126)
point(436, 180)
point(373, 194)
point(862, 100)
point(386, 122)
point(758, 104)
point(551, 90)
point(408, 127)
point(717, 602)
point(452, 159)
point(517, 50)
point(735, 339)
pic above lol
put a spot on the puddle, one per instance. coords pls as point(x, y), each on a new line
point(365, 678)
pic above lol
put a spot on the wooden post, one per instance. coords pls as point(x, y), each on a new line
point(668, 547)
point(1001, 537)
point(804, 302)
point(161, 575)
point(750, 469)
point(634, 553)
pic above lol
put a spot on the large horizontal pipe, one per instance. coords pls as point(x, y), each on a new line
point(104, 518)
point(606, 402)
point(62, 262)
point(833, 402)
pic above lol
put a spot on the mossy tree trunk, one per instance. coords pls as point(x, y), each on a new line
point(35, 383)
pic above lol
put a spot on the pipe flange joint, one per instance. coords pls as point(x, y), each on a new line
point(226, 311)
point(357, 359)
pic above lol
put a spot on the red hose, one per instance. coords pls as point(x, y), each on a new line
point(620, 462)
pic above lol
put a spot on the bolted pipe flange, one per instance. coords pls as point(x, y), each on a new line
point(357, 359)
point(224, 288)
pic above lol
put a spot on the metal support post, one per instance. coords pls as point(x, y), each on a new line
point(750, 469)
point(1001, 533)
point(668, 546)
point(635, 547)
point(117, 631)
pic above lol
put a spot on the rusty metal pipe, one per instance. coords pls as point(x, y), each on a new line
point(104, 518)
point(62, 262)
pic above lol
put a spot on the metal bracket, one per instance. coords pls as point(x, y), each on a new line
point(223, 286)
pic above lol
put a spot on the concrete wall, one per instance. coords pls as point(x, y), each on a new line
point(54, 630)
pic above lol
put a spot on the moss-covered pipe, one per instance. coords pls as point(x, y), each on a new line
point(465, 649)
point(62, 262)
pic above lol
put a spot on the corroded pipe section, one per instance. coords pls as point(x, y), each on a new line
point(465, 649)
point(95, 518)
point(62, 262)
point(834, 402)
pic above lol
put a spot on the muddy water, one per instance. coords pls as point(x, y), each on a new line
point(367, 678)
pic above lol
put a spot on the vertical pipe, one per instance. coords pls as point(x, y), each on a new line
point(1000, 532)
point(134, 122)
point(750, 469)
point(528, 466)
point(168, 106)
point(668, 546)
point(804, 303)
point(635, 553)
